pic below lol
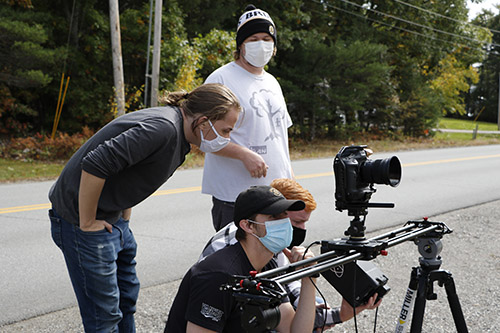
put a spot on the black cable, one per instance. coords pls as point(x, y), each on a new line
point(447, 17)
point(487, 52)
point(398, 28)
point(354, 298)
point(315, 286)
point(326, 305)
point(69, 36)
point(434, 46)
point(416, 24)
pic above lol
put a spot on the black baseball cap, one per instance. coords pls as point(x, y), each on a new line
point(263, 200)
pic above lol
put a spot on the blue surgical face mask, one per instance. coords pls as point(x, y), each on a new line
point(212, 146)
point(278, 234)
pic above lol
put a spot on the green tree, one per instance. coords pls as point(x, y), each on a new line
point(370, 65)
point(420, 112)
point(484, 96)
point(26, 63)
point(451, 83)
point(185, 63)
point(334, 84)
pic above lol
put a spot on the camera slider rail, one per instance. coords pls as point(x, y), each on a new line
point(346, 250)
point(264, 290)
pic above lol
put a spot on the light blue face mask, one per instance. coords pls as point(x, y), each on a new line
point(278, 234)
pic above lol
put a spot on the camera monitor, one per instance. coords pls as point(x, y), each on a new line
point(357, 281)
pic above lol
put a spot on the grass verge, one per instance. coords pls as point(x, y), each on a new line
point(14, 170)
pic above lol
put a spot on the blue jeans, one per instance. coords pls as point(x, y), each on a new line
point(101, 266)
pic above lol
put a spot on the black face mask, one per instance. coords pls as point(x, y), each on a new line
point(298, 237)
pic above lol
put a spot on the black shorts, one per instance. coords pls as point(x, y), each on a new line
point(222, 213)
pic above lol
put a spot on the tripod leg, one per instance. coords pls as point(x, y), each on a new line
point(419, 309)
point(404, 315)
point(456, 309)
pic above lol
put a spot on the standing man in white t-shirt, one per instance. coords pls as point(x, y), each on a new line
point(258, 152)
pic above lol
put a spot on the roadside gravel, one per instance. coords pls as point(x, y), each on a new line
point(471, 253)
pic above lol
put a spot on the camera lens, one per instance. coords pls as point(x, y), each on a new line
point(384, 171)
point(260, 319)
point(271, 317)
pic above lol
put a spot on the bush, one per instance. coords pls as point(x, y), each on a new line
point(43, 148)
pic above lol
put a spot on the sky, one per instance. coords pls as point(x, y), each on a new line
point(474, 9)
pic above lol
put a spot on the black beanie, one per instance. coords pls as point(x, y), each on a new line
point(253, 21)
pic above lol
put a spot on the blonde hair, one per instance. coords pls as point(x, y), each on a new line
point(212, 100)
point(294, 191)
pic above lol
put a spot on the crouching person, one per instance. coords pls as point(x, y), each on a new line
point(264, 229)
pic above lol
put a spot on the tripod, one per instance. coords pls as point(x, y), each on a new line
point(422, 284)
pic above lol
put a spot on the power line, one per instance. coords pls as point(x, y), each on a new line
point(416, 24)
point(396, 27)
point(446, 17)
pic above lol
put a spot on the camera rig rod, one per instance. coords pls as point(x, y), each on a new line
point(318, 268)
point(346, 251)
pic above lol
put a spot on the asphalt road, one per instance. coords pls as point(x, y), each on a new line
point(172, 227)
point(469, 254)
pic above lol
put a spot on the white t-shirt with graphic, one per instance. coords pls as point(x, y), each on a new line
point(262, 127)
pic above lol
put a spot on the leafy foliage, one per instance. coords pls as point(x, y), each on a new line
point(451, 81)
point(43, 148)
point(345, 66)
point(335, 84)
point(485, 95)
point(25, 66)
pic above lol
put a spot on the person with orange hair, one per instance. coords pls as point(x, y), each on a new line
point(264, 229)
point(292, 190)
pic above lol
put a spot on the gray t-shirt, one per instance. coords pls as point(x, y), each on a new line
point(136, 153)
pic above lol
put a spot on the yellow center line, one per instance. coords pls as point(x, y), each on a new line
point(24, 208)
point(18, 209)
point(452, 160)
point(177, 190)
point(315, 175)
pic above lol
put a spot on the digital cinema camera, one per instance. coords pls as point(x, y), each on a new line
point(355, 176)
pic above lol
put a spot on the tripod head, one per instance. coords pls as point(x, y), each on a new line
point(430, 246)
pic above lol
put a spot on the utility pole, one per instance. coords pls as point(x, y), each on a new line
point(498, 121)
point(156, 53)
point(147, 76)
point(114, 24)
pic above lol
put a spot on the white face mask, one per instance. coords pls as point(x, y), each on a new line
point(214, 145)
point(259, 53)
